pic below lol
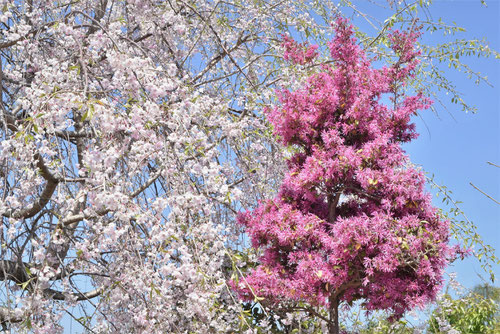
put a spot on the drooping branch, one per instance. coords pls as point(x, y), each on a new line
point(149, 182)
point(79, 296)
point(8, 315)
point(216, 59)
point(13, 271)
point(39, 204)
point(16, 272)
point(482, 192)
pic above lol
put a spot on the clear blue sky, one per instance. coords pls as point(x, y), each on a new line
point(456, 146)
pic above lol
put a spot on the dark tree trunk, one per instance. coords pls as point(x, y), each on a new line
point(333, 324)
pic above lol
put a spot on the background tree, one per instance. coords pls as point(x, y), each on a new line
point(472, 311)
point(475, 312)
point(122, 159)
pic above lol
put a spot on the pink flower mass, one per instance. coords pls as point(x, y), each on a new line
point(351, 220)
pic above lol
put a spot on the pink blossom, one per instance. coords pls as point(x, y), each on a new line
point(298, 53)
point(351, 219)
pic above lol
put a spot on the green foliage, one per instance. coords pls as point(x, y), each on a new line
point(487, 291)
point(383, 326)
point(475, 313)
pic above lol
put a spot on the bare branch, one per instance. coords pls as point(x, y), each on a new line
point(152, 179)
point(219, 57)
point(491, 163)
point(58, 295)
point(13, 271)
point(485, 194)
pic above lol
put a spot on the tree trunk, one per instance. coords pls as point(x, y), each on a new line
point(333, 324)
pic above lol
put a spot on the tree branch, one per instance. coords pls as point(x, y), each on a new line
point(364, 193)
point(485, 194)
point(152, 179)
point(58, 295)
point(8, 315)
point(13, 271)
point(332, 206)
point(45, 196)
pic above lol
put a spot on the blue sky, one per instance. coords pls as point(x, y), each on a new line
point(455, 146)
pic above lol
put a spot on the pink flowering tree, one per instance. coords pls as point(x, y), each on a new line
point(351, 220)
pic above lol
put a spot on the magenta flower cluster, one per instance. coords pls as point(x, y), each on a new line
point(298, 53)
point(351, 220)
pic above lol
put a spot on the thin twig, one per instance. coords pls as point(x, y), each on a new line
point(485, 194)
